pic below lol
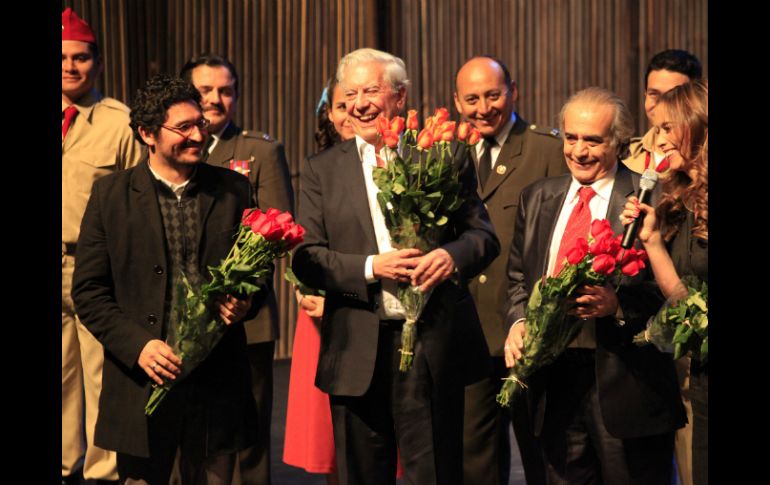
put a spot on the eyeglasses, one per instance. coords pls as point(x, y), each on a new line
point(186, 129)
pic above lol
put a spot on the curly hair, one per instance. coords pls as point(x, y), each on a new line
point(686, 189)
point(325, 134)
point(151, 103)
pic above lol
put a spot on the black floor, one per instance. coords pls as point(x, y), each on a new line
point(283, 474)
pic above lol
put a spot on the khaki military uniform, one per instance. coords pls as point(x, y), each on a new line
point(262, 159)
point(99, 141)
point(638, 150)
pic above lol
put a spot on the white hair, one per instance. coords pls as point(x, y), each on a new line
point(395, 69)
point(622, 127)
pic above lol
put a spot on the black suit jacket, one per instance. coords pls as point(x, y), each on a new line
point(119, 289)
point(637, 388)
point(334, 210)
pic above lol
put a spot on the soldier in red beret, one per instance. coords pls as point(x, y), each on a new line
point(96, 141)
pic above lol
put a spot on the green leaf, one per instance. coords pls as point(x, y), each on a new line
point(442, 220)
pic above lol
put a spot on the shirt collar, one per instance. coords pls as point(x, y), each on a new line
point(503, 135)
point(85, 105)
point(363, 146)
point(177, 189)
point(602, 187)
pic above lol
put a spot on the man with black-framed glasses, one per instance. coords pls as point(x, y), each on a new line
point(141, 229)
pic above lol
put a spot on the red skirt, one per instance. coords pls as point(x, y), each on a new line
point(309, 439)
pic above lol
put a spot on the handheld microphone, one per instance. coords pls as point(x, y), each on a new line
point(646, 186)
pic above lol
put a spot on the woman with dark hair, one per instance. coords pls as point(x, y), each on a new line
point(675, 234)
point(309, 440)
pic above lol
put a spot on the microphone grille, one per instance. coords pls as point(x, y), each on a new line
point(648, 180)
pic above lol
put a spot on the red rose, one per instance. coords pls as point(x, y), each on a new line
point(633, 261)
point(382, 124)
point(448, 130)
point(463, 130)
point(441, 115)
point(604, 264)
point(390, 139)
point(411, 120)
point(272, 213)
point(294, 236)
point(606, 244)
point(601, 228)
point(249, 215)
point(397, 125)
point(578, 252)
point(474, 137)
point(424, 139)
point(268, 228)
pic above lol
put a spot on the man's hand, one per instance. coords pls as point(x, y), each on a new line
point(434, 267)
point(231, 309)
point(595, 302)
point(159, 362)
point(514, 343)
point(396, 265)
point(313, 305)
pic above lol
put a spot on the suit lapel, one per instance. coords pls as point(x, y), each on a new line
point(553, 199)
point(207, 193)
point(509, 158)
point(355, 186)
point(224, 151)
point(143, 188)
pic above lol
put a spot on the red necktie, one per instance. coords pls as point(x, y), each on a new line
point(380, 161)
point(69, 115)
point(578, 225)
point(662, 166)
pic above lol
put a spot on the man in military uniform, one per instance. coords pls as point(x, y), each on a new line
point(96, 141)
point(666, 70)
point(513, 155)
point(262, 159)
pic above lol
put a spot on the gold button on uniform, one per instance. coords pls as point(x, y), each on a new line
point(483, 279)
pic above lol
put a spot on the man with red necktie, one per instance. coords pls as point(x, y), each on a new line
point(667, 70)
point(96, 141)
point(606, 410)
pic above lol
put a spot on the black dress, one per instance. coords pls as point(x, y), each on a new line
point(690, 257)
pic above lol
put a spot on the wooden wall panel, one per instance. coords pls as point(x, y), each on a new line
point(285, 50)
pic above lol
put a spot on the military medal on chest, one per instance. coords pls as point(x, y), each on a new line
point(241, 166)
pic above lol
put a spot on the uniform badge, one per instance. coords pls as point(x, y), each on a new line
point(501, 169)
point(241, 166)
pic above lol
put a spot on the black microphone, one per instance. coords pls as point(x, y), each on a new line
point(646, 186)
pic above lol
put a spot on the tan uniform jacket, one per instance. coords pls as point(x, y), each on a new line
point(639, 148)
point(529, 153)
point(98, 142)
point(268, 173)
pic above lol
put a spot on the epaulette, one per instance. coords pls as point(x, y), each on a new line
point(545, 130)
point(115, 104)
point(257, 134)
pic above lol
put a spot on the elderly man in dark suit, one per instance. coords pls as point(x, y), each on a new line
point(513, 155)
point(606, 410)
point(347, 252)
point(259, 157)
point(143, 227)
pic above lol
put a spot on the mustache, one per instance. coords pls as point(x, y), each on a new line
point(217, 106)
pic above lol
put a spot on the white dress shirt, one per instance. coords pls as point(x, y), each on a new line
point(389, 307)
point(499, 138)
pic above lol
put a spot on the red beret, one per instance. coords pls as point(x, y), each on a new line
point(75, 28)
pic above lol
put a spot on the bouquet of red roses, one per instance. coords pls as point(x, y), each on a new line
point(194, 326)
point(549, 328)
point(419, 190)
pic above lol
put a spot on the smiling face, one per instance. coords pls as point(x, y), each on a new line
point(367, 96)
point(482, 96)
point(587, 142)
point(170, 147)
point(658, 83)
point(218, 96)
point(669, 138)
point(338, 114)
point(79, 70)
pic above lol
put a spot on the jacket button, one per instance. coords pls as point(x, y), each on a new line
point(483, 279)
point(157, 269)
point(152, 319)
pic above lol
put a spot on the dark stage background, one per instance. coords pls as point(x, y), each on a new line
point(285, 50)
